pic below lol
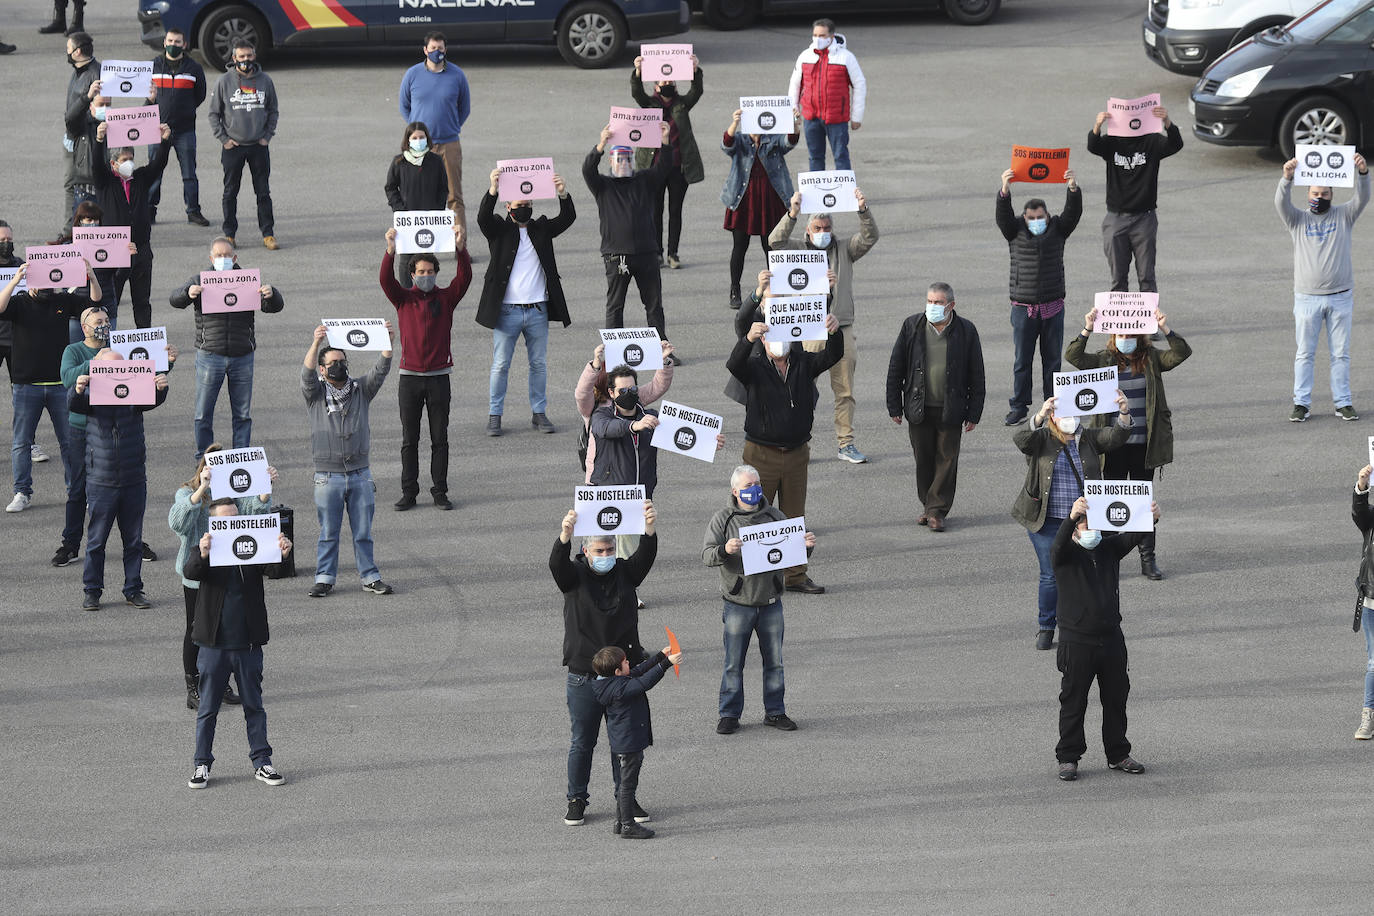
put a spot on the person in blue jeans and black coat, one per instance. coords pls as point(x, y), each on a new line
point(1363, 515)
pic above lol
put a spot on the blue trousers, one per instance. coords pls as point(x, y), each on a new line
point(214, 667)
point(741, 622)
point(586, 714)
point(109, 505)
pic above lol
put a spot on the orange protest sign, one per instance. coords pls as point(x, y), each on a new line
point(1039, 166)
point(673, 649)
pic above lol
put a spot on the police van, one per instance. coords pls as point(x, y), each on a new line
point(588, 33)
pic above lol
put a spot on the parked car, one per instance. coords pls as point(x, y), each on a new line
point(588, 33)
point(739, 14)
point(1186, 35)
point(1310, 81)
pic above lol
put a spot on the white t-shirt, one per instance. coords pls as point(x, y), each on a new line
point(527, 281)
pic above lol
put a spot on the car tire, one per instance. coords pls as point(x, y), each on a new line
point(222, 26)
point(729, 15)
point(591, 35)
point(972, 12)
point(1319, 120)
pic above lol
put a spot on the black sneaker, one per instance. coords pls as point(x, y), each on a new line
point(728, 725)
point(577, 809)
point(494, 424)
point(1044, 639)
point(230, 698)
point(541, 422)
point(405, 503)
point(91, 601)
point(674, 359)
point(1016, 416)
point(377, 587)
point(641, 816)
point(1299, 414)
point(200, 778)
point(197, 219)
point(1068, 771)
point(320, 589)
point(780, 722)
point(7, 49)
point(1128, 764)
point(635, 832)
point(267, 774)
point(64, 556)
point(807, 587)
point(442, 501)
point(148, 555)
point(138, 600)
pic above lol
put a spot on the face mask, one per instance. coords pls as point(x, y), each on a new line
point(668, 91)
point(622, 167)
point(935, 314)
point(100, 113)
point(1067, 425)
point(101, 334)
point(246, 66)
point(425, 282)
point(627, 400)
point(6, 250)
point(1037, 226)
point(602, 565)
point(820, 239)
point(419, 146)
point(125, 169)
point(1319, 204)
point(751, 495)
point(823, 43)
point(435, 57)
point(521, 214)
point(222, 263)
point(1089, 539)
point(1125, 345)
point(173, 51)
point(777, 348)
point(336, 372)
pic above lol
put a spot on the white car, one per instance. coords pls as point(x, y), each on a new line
point(1186, 35)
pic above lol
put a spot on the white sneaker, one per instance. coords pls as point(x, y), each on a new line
point(19, 503)
point(1366, 729)
point(269, 775)
point(201, 778)
point(39, 456)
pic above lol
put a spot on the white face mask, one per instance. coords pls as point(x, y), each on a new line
point(776, 348)
point(1088, 539)
point(823, 43)
point(1067, 425)
point(821, 239)
point(222, 263)
point(126, 168)
point(1125, 345)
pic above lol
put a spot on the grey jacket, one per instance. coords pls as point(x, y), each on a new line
point(243, 108)
point(842, 257)
point(752, 591)
point(1321, 243)
point(340, 441)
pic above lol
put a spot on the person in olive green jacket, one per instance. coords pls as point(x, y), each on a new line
point(687, 168)
point(1139, 370)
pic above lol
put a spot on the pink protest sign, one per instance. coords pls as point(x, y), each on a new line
point(1133, 117)
point(525, 179)
point(230, 291)
point(122, 382)
point(54, 267)
point(636, 127)
point(132, 126)
point(1125, 313)
point(103, 246)
point(665, 62)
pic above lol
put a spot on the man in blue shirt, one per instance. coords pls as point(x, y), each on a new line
point(435, 93)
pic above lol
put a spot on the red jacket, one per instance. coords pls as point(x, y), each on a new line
point(829, 85)
point(426, 319)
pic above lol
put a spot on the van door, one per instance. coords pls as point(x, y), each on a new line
point(461, 21)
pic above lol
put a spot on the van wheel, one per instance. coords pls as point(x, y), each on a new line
point(222, 27)
point(729, 15)
point(972, 12)
point(591, 35)
point(1318, 120)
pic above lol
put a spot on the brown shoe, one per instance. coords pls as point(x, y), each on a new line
point(923, 520)
point(935, 523)
point(269, 242)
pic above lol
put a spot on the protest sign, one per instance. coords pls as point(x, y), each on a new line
point(122, 382)
point(674, 647)
point(238, 472)
point(1119, 505)
point(103, 246)
point(775, 545)
point(54, 267)
point(357, 333)
point(665, 62)
point(792, 318)
point(7, 274)
point(798, 272)
point(765, 114)
point(126, 79)
point(1125, 313)
point(1040, 166)
point(423, 231)
point(1327, 166)
point(138, 126)
point(687, 431)
point(1081, 394)
point(142, 343)
point(1371, 451)
point(828, 192)
point(638, 348)
point(636, 127)
point(1133, 117)
point(244, 540)
point(609, 510)
point(230, 291)
point(525, 179)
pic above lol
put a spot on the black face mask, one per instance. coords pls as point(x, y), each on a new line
point(1319, 204)
point(336, 372)
point(6, 250)
point(627, 400)
point(173, 51)
point(246, 67)
point(521, 214)
point(668, 92)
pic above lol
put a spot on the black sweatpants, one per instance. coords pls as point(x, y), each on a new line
point(1080, 663)
point(643, 269)
point(675, 189)
point(430, 393)
point(629, 782)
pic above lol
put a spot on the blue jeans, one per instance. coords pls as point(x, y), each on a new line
point(1367, 624)
point(29, 403)
point(184, 142)
point(214, 666)
point(586, 713)
point(1026, 333)
point(76, 489)
point(335, 492)
point(534, 324)
point(211, 370)
point(1042, 541)
point(109, 505)
point(817, 132)
point(741, 622)
point(1309, 312)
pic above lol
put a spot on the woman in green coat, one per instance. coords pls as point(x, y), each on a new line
point(686, 157)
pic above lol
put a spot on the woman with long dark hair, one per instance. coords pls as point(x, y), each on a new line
point(756, 191)
point(415, 181)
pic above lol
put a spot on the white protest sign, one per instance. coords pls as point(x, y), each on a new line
point(1119, 505)
point(357, 333)
point(103, 246)
point(638, 348)
point(238, 472)
point(828, 192)
point(609, 510)
point(142, 343)
point(665, 62)
point(7, 274)
point(423, 231)
point(1327, 166)
point(122, 383)
point(794, 318)
point(126, 79)
point(138, 126)
point(1371, 451)
point(636, 127)
point(230, 291)
point(244, 540)
point(1133, 117)
point(1081, 394)
point(798, 272)
point(525, 179)
point(776, 545)
point(687, 431)
point(1125, 313)
point(765, 114)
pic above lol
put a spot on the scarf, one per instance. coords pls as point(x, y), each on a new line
point(336, 399)
point(413, 157)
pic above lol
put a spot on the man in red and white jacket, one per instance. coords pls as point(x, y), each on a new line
point(829, 88)
point(180, 85)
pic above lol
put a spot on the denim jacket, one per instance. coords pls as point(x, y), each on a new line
point(772, 147)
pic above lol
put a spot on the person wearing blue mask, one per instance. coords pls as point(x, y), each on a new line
point(753, 603)
point(435, 92)
point(1037, 288)
point(598, 610)
point(1091, 644)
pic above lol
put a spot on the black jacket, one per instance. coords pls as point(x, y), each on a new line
point(116, 453)
point(964, 382)
point(623, 457)
point(225, 333)
point(1037, 261)
point(77, 120)
point(1133, 167)
point(626, 205)
point(136, 210)
point(41, 322)
point(422, 187)
point(629, 727)
point(210, 597)
point(600, 611)
point(1363, 515)
point(503, 241)
point(180, 90)
point(1089, 584)
point(780, 411)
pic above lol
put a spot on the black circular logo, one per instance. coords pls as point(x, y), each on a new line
point(1335, 160)
point(424, 238)
point(231, 299)
point(526, 187)
point(1039, 172)
point(1313, 159)
point(774, 556)
point(1086, 399)
point(121, 390)
point(245, 547)
point(126, 86)
point(796, 330)
point(1118, 514)
point(635, 134)
point(666, 69)
point(1135, 123)
point(797, 278)
point(634, 354)
point(767, 120)
point(685, 438)
point(240, 480)
point(358, 338)
point(55, 275)
point(133, 134)
point(102, 255)
point(828, 199)
point(608, 518)
point(138, 353)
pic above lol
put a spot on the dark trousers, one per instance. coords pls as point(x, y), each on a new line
point(1026, 335)
point(935, 445)
point(419, 393)
point(184, 142)
point(1126, 236)
point(75, 517)
point(586, 714)
point(190, 652)
point(783, 476)
point(675, 189)
point(259, 163)
point(1079, 663)
point(215, 666)
point(109, 505)
point(629, 782)
point(139, 277)
point(1128, 463)
point(643, 268)
point(738, 249)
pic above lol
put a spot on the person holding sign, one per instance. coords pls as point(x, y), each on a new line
point(179, 83)
point(79, 121)
point(1130, 226)
point(685, 168)
point(243, 117)
point(229, 628)
point(1139, 372)
point(9, 262)
point(593, 390)
point(124, 194)
point(415, 181)
point(116, 484)
point(1036, 244)
point(1323, 280)
point(435, 92)
point(598, 611)
point(1091, 646)
point(756, 190)
point(88, 216)
point(1363, 516)
point(829, 88)
point(935, 380)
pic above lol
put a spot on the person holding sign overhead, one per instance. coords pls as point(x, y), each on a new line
point(243, 117)
point(124, 194)
point(79, 120)
point(829, 88)
point(415, 180)
point(685, 168)
point(89, 216)
point(756, 190)
point(1363, 516)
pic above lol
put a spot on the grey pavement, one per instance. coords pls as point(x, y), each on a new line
point(424, 735)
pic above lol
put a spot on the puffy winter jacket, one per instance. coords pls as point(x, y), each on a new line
point(1037, 261)
point(623, 457)
point(115, 449)
point(225, 333)
point(822, 82)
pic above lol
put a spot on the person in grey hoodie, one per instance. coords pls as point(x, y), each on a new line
point(753, 603)
point(1323, 278)
point(243, 117)
point(339, 441)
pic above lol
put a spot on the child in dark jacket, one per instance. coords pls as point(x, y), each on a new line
point(624, 692)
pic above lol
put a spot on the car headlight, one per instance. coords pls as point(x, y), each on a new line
point(1199, 4)
point(1242, 84)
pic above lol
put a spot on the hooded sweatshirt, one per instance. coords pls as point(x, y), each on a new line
point(243, 108)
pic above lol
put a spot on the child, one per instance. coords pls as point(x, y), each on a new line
point(623, 691)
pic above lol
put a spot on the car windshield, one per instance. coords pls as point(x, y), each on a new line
point(1316, 23)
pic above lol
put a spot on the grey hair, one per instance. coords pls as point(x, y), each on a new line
point(117, 151)
point(945, 289)
point(597, 539)
point(825, 216)
point(739, 473)
point(224, 240)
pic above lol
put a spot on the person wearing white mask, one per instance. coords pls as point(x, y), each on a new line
point(829, 88)
point(1060, 454)
point(124, 193)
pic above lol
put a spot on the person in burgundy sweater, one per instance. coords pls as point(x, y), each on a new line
point(424, 311)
